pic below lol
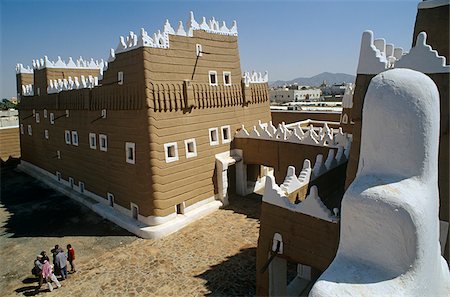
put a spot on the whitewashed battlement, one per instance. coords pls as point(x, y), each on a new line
point(255, 77)
point(347, 100)
point(160, 39)
point(21, 69)
point(377, 56)
point(56, 86)
point(59, 63)
point(295, 134)
point(28, 90)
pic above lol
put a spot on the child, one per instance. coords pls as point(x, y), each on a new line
point(71, 257)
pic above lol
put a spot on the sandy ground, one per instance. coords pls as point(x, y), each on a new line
point(214, 256)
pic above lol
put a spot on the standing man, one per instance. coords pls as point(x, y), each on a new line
point(71, 257)
point(61, 263)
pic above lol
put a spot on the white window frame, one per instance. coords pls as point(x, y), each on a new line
point(229, 76)
point(75, 138)
point(166, 152)
point(211, 141)
point(104, 113)
point(120, 77)
point(209, 77)
point(67, 113)
point(71, 182)
point(198, 50)
point(58, 154)
point(38, 118)
point(58, 176)
point(52, 118)
point(227, 128)
point(110, 198)
point(21, 129)
point(30, 130)
point(67, 137)
point(105, 137)
point(46, 134)
point(81, 187)
point(93, 144)
point(132, 146)
point(133, 205)
point(45, 113)
point(186, 147)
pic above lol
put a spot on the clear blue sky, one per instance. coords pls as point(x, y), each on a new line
point(288, 38)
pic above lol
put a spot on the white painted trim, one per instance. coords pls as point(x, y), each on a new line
point(229, 78)
point(67, 137)
point(166, 152)
point(58, 154)
point(211, 141)
point(100, 138)
point(75, 138)
point(46, 136)
point(38, 118)
point(432, 4)
point(45, 113)
point(93, 145)
point(30, 130)
point(131, 210)
point(228, 128)
point(52, 118)
point(198, 50)
point(120, 77)
point(190, 154)
point(21, 128)
point(132, 146)
point(209, 78)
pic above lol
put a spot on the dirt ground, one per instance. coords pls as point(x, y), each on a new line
point(214, 256)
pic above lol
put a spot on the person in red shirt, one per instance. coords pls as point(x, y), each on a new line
point(71, 257)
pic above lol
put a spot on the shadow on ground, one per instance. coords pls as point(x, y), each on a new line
point(31, 209)
point(242, 280)
point(249, 205)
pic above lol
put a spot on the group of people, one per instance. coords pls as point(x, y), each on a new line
point(47, 272)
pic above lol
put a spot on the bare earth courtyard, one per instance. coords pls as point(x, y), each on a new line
point(214, 256)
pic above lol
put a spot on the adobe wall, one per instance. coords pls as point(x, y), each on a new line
point(9, 143)
point(296, 116)
point(306, 240)
point(23, 79)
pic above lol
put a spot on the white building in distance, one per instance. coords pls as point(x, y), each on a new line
point(294, 94)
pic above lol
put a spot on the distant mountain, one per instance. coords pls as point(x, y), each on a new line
point(317, 80)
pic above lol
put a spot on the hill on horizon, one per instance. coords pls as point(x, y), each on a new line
point(316, 80)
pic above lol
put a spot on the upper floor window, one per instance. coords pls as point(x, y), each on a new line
point(213, 78)
point(103, 139)
point(227, 78)
point(213, 136)
point(21, 128)
point(198, 49)
point(130, 151)
point(45, 113)
point(52, 118)
point(120, 77)
point(226, 134)
point(38, 118)
point(75, 138)
point(171, 152)
point(30, 130)
point(191, 148)
point(67, 136)
point(92, 141)
point(46, 134)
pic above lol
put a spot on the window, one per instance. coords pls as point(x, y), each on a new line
point(45, 113)
point(58, 154)
point(198, 49)
point(134, 211)
point(46, 134)
point(38, 118)
point(92, 141)
point(213, 78)
point(67, 113)
point(58, 176)
point(21, 128)
point(71, 182)
point(75, 138)
point(67, 133)
point(104, 113)
point(180, 208)
point(213, 136)
point(52, 118)
point(226, 134)
point(38, 91)
point(120, 78)
point(110, 199)
point(30, 130)
point(191, 148)
point(81, 187)
point(227, 78)
point(130, 151)
point(171, 152)
point(344, 119)
point(103, 139)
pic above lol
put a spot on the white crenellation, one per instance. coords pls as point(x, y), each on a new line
point(21, 69)
point(28, 90)
point(80, 64)
point(56, 86)
point(347, 100)
point(255, 77)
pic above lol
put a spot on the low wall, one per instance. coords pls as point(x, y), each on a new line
point(9, 143)
point(295, 116)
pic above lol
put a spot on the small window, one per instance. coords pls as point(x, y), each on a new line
point(120, 78)
point(30, 130)
point(171, 152)
point(213, 136)
point(227, 78)
point(21, 128)
point(198, 48)
point(226, 134)
point(68, 136)
point(67, 113)
point(344, 119)
point(180, 208)
point(81, 187)
point(38, 91)
point(75, 138)
point(213, 78)
point(191, 148)
point(45, 113)
point(58, 154)
point(134, 211)
point(71, 182)
point(130, 151)
point(110, 199)
point(92, 141)
point(58, 176)
point(46, 134)
point(52, 118)
point(38, 118)
point(104, 113)
point(103, 139)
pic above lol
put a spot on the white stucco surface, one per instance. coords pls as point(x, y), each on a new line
point(389, 238)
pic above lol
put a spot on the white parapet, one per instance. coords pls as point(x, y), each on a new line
point(255, 77)
point(389, 237)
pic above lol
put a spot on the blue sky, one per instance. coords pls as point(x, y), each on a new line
point(288, 38)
